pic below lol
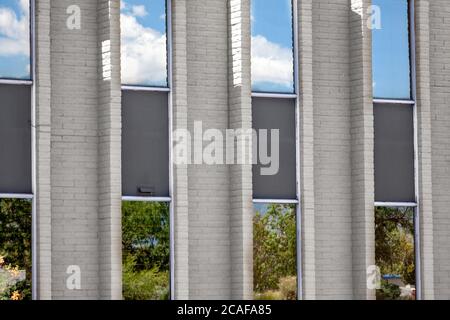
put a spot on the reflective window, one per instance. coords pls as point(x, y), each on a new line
point(145, 250)
point(15, 139)
point(15, 249)
point(15, 39)
point(274, 252)
point(390, 52)
point(395, 254)
point(394, 153)
point(144, 42)
point(275, 179)
point(272, 46)
point(145, 144)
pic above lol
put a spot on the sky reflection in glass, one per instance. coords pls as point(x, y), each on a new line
point(144, 43)
point(390, 52)
point(272, 46)
point(15, 39)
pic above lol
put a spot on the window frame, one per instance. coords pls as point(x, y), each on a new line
point(413, 104)
point(31, 196)
point(170, 199)
point(294, 96)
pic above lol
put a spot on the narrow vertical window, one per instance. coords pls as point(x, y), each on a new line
point(145, 150)
point(391, 60)
point(275, 252)
point(275, 184)
point(15, 249)
point(15, 49)
point(144, 43)
point(272, 46)
point(145, 250)
point(15, 151)
point(395, 252)
point(396, 199)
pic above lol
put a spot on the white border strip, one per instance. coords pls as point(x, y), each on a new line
point(171, 178)
point(417, 220)
point(142, 88)
point(275, 201)
point(299, 227)
point(34, 219)
point(147, 199)
point(16, 196)
point(18, 82)
point(394, 101)
point(274, 95)
point(396, 204)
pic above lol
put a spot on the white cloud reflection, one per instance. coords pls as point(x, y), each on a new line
point(272, 66)
point(144, 56)
point(14, 30)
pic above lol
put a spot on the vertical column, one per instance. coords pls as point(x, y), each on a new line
point(42, 192)
point(332, 150)
point(109, 161)
point(306, 126)
point(424, 170)
point(240, 118)
point(439, 11)
point(180, 200)
point(74, 147)
point(362, 151)
point(209, 199)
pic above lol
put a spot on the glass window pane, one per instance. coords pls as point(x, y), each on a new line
point(145, 250)
point(390, 52)
point(145, 143)
point(144, 42)
point(15, 39)
point(394, 153)
point(272, 46)
point(15, 139)
point(15, 249)
point(280, 181)
point(274, 252)
point(395, 253)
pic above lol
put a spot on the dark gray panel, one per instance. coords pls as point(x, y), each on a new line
point(394, 153)
point(279, 114)
point(15, 139)
point(145, 144)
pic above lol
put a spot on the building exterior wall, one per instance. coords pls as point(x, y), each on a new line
point(439, 64)
point(78, 132)
point(332, 150)
point(75, 149)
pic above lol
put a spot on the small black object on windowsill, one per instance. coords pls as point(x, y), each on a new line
point(147, 190)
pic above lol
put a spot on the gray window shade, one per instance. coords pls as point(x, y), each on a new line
point(269, 113)
point(394, 153)
point(145, 144)
point(15, 139)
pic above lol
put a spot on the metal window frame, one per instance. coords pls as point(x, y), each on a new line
point(170, 199)
point(294, 96)
point(32, 84)
point(413, 104)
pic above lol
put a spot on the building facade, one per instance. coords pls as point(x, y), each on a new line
point(77, 100)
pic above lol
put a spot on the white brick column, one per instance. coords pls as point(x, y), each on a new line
point(75, 149)
point(42, 203)
point(180, 201)
point(208, 185)
point(240, 117)
point(423, 114)
point(362, 134)
point(306, 126)
point(109, 158)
